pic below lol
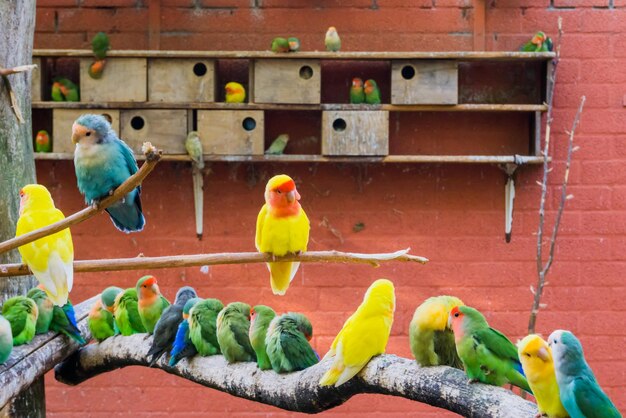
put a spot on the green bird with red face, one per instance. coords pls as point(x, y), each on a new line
point(357, 94)
point(151, 303)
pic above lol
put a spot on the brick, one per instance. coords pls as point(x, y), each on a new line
point(580, 3)
point(45, 20)
point(107, 20)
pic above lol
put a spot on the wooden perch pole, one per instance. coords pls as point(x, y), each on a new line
point(152, 158)
point(175, 261)
point(388, 374)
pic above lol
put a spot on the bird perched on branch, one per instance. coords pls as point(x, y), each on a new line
point(193, 145)
point(538, 43)
point(108, 297)
point(294, 44)
point(6, 340)
point(432, 342)
point(235, 92)
point(364, 334)
point(42, 141)
point(51, 258)
point(44, 307)
point(260, 318)
point(203, 326)
point(332, 41)
point(233, 328)
point(487, 354)
point(536, 358)
point(183, 346)
point(151, 303)
point(288, 345)
point(21, 312)
point(100, 322)
point(357, 95)
point(103, 162)
point(282, 227)
point(126, 312)
point(580, 392)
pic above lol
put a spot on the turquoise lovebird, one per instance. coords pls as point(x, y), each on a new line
point(183, 347)
point(6, 340)
point(103, 162)
point(288, 345)
point(45, 307)
point(580, 392)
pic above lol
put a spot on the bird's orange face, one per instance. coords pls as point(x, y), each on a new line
point(357, 82)
point(23, 200)
point(149, 288)
point(82, 134)
point(369, 87)
point(42, 138)
point(456, 319)
point(284, 195)
point(538, 39)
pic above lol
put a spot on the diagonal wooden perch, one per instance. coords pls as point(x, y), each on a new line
point(152, 158)
point(443, 387)
point(139, 263)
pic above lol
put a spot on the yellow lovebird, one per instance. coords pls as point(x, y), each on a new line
point(235, 93)
point(50, 258)
point(432, 342)
point(282, 227)
point(536, 358)
point(363, 336)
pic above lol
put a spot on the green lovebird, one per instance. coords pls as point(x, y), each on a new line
point(183, 347)
point(64, 321)
point(372, 93)
point(487, 354)
point(278, 145)
point(151, 303)
point(357, 94)
point(108, 297)
point(233, 327)
point(100, 44)
point(294, 44)
point(203, 326)
point(332, 40)
point(44, 306)
point(6, 340)
point(68, 88)
point(260, 318)
point(42, 141)
point(288, 345)
point(580, 392)
point(126, 313)
point(538, 43)
point(55, 92)
point(167, 326)
point(100, 322)
point(280, 45)
point(21, 312)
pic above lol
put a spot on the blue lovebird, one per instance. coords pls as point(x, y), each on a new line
point(183, 347)
point(103, 162)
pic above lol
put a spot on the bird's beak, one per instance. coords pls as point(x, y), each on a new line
point(75, 134)
point(185, 316)
point(110, 309)
point(291, 196)
point(155, 288)
point(543, 354)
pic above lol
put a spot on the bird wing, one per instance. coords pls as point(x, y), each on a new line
point(133, 316)
point(17, 316)
point(498, 344)
point(208, 327)
point(297, 350)
point(260, 220)
point(242, 337)
point(591, 400)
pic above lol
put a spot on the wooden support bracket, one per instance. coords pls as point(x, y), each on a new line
point(509, 194)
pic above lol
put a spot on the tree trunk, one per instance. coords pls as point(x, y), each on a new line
point(17, 20)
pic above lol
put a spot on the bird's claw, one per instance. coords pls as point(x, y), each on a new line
point(146, 337)
point(470, 381)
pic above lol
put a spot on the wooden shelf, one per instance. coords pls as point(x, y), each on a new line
point(313, 107)
point(354, 55)
point(456, 159)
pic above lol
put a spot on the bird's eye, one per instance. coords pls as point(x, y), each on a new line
point(456, 315)
point(88, 133)
point(555, 342)
point(527, 355)
point(278, 191)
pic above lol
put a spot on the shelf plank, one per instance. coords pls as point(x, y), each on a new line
point(443, 159)
point(352, 55)
point(310, 107)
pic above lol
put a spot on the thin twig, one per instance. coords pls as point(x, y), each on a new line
point(140, 263)
point(15, 70)
point(152, 158)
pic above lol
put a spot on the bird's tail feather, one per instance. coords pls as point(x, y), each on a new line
point(281, 274)
point(127, 215)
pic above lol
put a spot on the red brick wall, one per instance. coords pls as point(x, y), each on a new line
point(453, 215)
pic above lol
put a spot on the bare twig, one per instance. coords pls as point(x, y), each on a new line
point(15, 70)
point(4, 72)
point(139, 263)
point(152, 158)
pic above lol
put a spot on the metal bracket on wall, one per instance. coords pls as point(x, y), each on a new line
point(509, 194)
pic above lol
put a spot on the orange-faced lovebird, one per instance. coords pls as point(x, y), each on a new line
point(260, 318)
point(487, 354)
point(357, 94)
point(580, 392)
point(151, 303)
point(332, 41)
point(100, 322)
point(282, 227)
point(288, 345)
point(103, 162)
point(372, 92)
point(538, 43)
point(233, 328)
point(42, 141)
point(182, 346)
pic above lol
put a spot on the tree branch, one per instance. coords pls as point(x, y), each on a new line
point(152, 158)
point(140, 263)
point(443, 387)
point(15, 70)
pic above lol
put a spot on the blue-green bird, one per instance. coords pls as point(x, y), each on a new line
point(183, 347)
point(44, 306)
point(260, 318)
point(64, 321)
point(103, 162)
point(6, 340)
point(203, 326)
point(21, 312)
point(581, 395)
point(126, 313)
point(233, 327)
point(288, 345)
point(108, 297)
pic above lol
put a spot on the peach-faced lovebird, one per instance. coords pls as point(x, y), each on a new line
point(126, 313)
point(432, 342)
point(51, 258)
point(96, 69)
point(372, 93)
point(167, 325)
point(260, 318)
point(282, 227)
point(42, 141)
point(55, 92)
point(44, 308)
point(364, 334)
point(332, 41)
point(487, 354)
point(182, 346)
point(294, 44)
point(108, 297)
point(233, 327)
point(538, 43)
point(357, 94)
point(64, 321)
point(280, 45)
point(288, 345)
point(580, 392)
point(536, 358)
point(21, 312)
point(100, 322)
point(6, 340)
point(235, 92)
point(64, 89)
point(151, 302)
point(203, 326)
point(278, 145)
point(103, 162)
